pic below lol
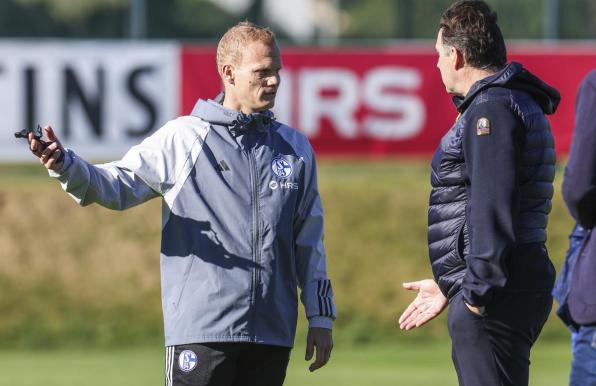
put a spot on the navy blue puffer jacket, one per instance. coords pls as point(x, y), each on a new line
point(492, 184)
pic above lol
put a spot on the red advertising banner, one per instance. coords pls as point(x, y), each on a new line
point(381, 101)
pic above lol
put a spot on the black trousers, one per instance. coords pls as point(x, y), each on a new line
point(226, 364)
point(494, 349)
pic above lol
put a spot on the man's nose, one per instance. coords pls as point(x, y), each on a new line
point(273, 80)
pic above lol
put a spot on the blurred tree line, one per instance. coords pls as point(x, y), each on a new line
point(84, 19)
point(418, 19)
point(204, 19)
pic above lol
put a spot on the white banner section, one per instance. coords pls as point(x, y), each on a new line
point(101, 98)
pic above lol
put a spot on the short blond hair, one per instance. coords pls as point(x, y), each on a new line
point(229, 49)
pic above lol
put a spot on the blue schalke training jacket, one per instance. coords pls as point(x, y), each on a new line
point(242, 223)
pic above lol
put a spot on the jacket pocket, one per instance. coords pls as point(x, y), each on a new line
point(582, 302)
point(583, 273)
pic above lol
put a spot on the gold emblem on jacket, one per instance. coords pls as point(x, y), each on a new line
point(483, 126)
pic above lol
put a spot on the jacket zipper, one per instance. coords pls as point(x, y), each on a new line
point(256, 222)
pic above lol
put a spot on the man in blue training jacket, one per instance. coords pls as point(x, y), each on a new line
point(242, 224)
point(492, 184)
point(576, 287)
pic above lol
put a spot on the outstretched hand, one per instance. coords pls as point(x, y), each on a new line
point(427, 305)
point(48, 152)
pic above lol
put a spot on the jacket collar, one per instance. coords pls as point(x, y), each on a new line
point(237, 122)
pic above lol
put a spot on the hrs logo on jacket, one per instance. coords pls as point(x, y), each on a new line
point(282, 169)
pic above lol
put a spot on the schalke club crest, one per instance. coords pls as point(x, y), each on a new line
point(281, 167)
point(187, 361)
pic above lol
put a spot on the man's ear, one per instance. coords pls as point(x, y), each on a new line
point(458, 58)
point(227, 74)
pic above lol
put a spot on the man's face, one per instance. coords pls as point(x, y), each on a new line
point(256, 78)
point(445, 63)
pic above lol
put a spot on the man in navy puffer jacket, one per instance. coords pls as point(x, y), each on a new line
point(492, 185)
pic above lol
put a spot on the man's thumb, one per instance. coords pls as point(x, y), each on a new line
point(309, 350)
point(412, 286)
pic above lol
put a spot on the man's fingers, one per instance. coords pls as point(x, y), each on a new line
point(318, 363)
point(49, 150)
point(410, 323)
point(407, 324)
point(321, 359)
point(33, 143)
point(408, 317)
point(51, 136)
point(416, 315)
point(49, 132)
point(36, 147)
point(52, 163)
point(407, 314)
point(50, 155)
point(416, 320)
point(422, 319)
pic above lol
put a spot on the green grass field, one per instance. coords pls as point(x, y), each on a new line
point(401, 364)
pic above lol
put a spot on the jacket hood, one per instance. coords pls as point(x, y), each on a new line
point(514, 76)
point(215, 113)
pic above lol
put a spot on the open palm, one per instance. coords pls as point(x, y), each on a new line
point(427, 305)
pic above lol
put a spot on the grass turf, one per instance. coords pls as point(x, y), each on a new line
point(403, 363)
